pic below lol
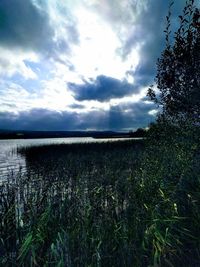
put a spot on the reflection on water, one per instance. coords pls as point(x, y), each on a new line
point(11, 162)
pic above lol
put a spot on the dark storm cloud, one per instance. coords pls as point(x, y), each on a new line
point(148, 33)
point(76, 106)
point(103, 88)
point(121, 117)
point(23, 24)
point(27, 26)
point(37, 119)
point(129, 115)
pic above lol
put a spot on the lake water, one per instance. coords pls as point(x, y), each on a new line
point(12, 162)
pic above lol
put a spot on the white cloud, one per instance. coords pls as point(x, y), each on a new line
point(99, 46)
point(51, 94)
point(13, 62)
point(54, 95)
point(153, 112)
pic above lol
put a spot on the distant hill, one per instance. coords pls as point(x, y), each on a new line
point(20, 134)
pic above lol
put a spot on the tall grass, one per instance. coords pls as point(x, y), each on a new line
point(73, 205)
point(170, 170)
point(108, 204)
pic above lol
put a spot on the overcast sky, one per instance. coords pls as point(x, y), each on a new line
point(79, 64)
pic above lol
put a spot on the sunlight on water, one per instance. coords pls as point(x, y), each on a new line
point(11, 162)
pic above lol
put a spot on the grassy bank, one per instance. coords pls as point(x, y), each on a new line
point(120, 203)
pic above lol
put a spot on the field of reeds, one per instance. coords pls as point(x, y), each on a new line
point(72, 207)
point(103, 204)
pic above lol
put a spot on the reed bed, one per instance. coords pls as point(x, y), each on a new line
point(104, 204)
point(71, 207)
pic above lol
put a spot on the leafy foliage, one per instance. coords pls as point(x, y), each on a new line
point(172, 157)
point(178, 71)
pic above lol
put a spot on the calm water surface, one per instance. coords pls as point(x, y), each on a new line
point(11, 162)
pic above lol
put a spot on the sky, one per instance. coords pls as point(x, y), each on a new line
point(80, 64)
